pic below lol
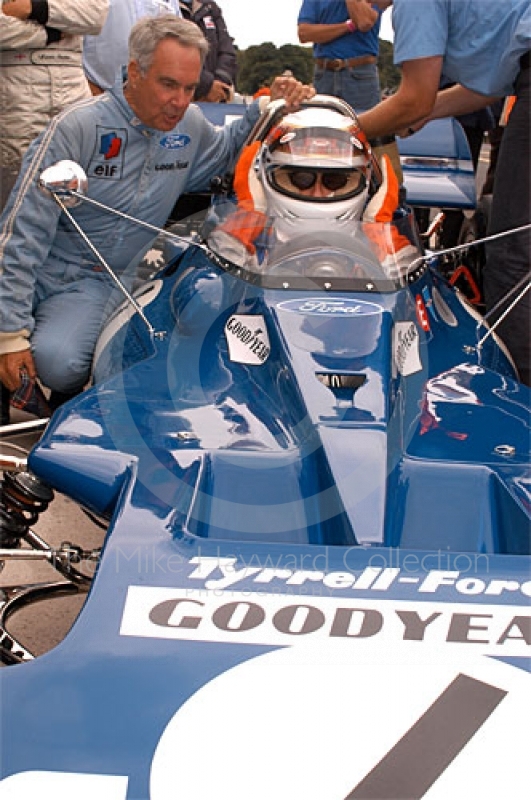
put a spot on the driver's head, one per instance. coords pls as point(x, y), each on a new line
point(316, 162)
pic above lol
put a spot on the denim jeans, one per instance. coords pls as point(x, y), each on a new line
point(358, 86)
point(67, 326)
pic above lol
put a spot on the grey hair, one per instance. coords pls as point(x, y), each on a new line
point(148, 32)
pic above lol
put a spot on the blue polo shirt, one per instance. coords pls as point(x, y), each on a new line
point(351, 45)
point(481, 41)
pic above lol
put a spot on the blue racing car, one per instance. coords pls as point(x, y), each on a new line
point(311, 462)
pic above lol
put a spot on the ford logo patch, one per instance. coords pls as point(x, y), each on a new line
point(174, 141)
point(331, 307)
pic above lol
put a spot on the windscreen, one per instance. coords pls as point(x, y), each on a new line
point(289, 252)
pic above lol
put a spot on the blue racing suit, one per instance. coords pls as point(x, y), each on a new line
point(52, 287)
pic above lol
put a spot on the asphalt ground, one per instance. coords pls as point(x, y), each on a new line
point(40, 626)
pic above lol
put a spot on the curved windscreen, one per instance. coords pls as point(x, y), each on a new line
point(316, 251)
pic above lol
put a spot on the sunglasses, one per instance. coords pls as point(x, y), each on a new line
point(333, 181)
point(304, 179)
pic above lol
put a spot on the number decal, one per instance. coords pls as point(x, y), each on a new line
point(427, 749)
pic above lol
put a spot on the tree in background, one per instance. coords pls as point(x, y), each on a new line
point(258, 65)
point(389, 74)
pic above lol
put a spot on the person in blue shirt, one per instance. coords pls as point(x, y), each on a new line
point(483, 47)
point(345, 47)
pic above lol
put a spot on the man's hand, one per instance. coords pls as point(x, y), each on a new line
point(219, 92)
point(17, 8)
point(12, 364)
point(405, 132)
point(362, 14)
point(291, 90)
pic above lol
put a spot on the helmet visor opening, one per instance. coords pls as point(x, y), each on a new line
point(314, 184)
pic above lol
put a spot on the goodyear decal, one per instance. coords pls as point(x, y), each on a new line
point(247, 339)
point(406, 348)
point(266, 619)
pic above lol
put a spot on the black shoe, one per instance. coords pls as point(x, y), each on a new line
point(5, 395)
point(58, 398)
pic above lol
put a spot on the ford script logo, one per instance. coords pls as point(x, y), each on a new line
point(174, 141)
point(331, 307)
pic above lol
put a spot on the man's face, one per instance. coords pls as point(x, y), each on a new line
point(161, 96)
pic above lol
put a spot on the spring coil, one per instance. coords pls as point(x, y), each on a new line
point(24, 494)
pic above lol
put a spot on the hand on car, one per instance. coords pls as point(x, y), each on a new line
point(291, 90)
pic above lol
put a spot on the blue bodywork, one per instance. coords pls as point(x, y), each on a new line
point(216, 437)
point(438, 168)
point(319, 539)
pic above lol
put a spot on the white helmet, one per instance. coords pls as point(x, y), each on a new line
point(316, 164)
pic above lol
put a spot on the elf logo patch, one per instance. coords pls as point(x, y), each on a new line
point(110, 146)
point(108, 158)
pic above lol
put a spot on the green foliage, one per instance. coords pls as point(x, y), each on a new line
point(258, 65)
point(389, 74)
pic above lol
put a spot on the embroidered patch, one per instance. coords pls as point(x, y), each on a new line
point(174, 141)
point(108, 158)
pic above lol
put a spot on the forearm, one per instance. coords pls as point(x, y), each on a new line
point(16, 34)
point(27, 25)
point(321, 34)
point(458, 100)
point(362, 14)
point(72, 17)
point(389, 117)
point(77, 18)
point(414, 101)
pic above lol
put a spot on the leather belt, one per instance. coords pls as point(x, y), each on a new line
point(337, 64)
point(41, 58)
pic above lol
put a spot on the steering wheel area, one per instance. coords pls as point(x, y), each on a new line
point(311, 257)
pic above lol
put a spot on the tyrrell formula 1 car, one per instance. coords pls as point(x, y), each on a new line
point(313, 471)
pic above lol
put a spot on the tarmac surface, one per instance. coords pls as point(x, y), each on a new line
point(42, 625)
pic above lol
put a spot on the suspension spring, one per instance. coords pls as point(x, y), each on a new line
point(25, 495)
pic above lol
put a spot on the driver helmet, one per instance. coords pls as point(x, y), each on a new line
point(316, 163)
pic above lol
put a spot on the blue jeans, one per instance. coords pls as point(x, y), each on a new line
point(358, 86)
point(67, 326)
